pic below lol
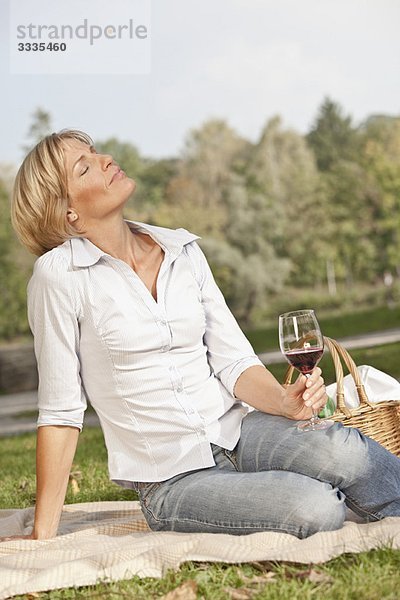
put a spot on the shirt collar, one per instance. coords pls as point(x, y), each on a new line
point(86, 254)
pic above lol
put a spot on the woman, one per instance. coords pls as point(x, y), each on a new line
point(128, 315)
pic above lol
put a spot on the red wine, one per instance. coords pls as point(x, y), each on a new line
point(305, 359)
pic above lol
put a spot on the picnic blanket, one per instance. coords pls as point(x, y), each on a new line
point(105, 541)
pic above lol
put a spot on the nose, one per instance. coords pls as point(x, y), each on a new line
point(106, 160)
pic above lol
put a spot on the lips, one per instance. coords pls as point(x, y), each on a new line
point(118, 173)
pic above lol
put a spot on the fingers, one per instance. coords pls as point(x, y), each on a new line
point(318, 401)
point(315, 394)
point(311, 390)
point(11, 538)
point(314, 377)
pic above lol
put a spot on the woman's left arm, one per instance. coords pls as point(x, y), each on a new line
point(259, 388)
point(229, 353)
point(234, 362)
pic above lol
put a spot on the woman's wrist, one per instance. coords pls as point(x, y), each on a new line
point(42, 534)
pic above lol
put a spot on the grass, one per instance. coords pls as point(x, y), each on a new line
point(370, 575)
point(339, 326)
point(367, 576)
point(373, 575)
point(89, 470)
point(383, 357)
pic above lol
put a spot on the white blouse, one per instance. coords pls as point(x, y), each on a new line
point(160, 374)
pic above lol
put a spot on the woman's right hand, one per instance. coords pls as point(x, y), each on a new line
point(11, 538)
point(304, 396)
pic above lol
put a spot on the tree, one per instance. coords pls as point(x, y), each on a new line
point(155, 177)
point(245, 263)
point(290, 204)
point(337, 147)
point(13, 320)
point(332, 137)
point(194, 196)
point(350, 215)
point(381, 161)
point(39, 128)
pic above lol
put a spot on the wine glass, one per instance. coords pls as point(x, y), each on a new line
point(302, 344)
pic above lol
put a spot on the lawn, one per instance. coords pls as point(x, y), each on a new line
point(372, 575)
point(339, 326)
point(385, 358)
point(368, 576)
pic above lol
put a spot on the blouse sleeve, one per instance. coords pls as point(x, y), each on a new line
point(53, 319)
point(229, 351)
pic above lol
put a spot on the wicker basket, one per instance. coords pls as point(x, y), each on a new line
point(379, 421)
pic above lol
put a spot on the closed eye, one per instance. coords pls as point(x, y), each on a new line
point(93, 151)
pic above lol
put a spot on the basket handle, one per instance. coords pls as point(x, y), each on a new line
point(350, 364)
point(339, 354)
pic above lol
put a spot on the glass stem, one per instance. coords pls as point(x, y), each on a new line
point(314, 417)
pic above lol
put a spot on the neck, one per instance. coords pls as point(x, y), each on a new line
point(111, 236)
point(116, 238)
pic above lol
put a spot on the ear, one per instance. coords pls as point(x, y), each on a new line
point(71, 216)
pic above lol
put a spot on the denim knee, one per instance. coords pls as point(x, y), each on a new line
point(350, 455)
point(323, 513)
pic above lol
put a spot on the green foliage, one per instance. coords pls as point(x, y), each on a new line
point(337, 326)
point(283, 170)
point(380, 160)
point(360, 170)
point(314, 216)
point(13, 277)
point(332, 137)
point(197, 192)
point(154, 179)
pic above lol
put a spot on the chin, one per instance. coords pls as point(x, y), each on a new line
point(132, 183)
point(129, 188)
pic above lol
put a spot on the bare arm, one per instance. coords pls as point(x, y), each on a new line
point(55, 451)
point(258, 387)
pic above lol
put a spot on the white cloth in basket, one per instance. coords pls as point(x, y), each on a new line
point(379, 387)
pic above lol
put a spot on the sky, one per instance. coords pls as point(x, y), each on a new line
point(239, 60)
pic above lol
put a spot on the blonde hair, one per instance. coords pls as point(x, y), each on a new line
point(40, 197)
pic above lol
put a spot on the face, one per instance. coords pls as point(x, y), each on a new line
point(97, 186)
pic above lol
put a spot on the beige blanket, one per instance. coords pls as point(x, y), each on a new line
point(111, 541)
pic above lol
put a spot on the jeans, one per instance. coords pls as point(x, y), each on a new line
point(278, 479)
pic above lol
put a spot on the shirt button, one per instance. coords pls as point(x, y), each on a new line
point(162, 322)
point(164, 349)
point(179, 389)
point(191, 411)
